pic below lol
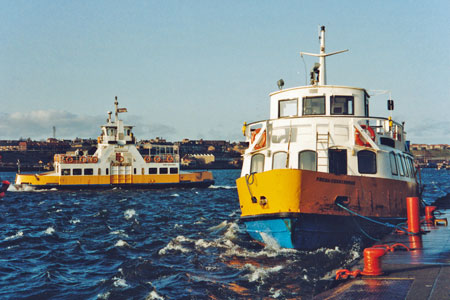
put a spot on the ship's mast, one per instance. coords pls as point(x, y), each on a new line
point(322, 67)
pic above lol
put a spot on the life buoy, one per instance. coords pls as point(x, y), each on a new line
point(69, 159)
point(147, 159)
point(94, 159)
point(157, 159)
point(262, 140)
point(170, 158)
point(119, 158)
point(358, 140)
point(83, 159)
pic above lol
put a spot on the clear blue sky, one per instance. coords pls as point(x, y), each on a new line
point(199, 69)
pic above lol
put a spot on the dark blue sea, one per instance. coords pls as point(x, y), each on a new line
point(156, 244)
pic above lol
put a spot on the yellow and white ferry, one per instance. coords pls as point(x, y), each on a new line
point(322, 169)
point(117, 162)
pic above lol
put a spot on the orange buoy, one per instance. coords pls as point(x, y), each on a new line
point(169, 159)
point(147, 159)
point(412, 208)
point(372, 263)
point(358, 140)
point(429, 214)
point(94, 159)
point(157, 159)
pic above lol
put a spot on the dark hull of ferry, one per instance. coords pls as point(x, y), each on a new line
point(313, 231)
point(186, 184)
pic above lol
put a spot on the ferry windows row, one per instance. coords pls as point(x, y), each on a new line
point(307, 160)
point(77, 171)
point(401, 165)
point(339, 105)
point(163, 170)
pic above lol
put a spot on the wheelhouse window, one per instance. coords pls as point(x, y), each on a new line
point(400, 166)
point(257, 164)
point(367, 162)
point(393, 162)
point(279, 160)
point(307, 160)
point(287, 108)
point(405, 167)
point(314, 105)
point(342, 105)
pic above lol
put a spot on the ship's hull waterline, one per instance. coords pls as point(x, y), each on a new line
point(298, 208)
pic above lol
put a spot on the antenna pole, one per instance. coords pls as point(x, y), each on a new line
point(322, 68)
point(116, 104)
point(322, 55)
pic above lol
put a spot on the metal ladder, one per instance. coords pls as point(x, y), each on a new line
point(322, 145)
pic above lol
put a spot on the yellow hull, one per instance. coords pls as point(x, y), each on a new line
point(49, 180)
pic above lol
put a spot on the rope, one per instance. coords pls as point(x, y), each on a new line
point(375, 221)
point(252, 176)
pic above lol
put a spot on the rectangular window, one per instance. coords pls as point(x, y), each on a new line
point(257, 164)
point(400, 166)
point(65, 172)
point(173, 170)
point(393, 163)
point(314, 105)
point(107, 171)
point(76, 172)
point(89, 171)
point(163, 170)
point(367, 162)
point(342, 105)
point(99, 171)
point(134, 171)
point(287, 108)
point(152, 170)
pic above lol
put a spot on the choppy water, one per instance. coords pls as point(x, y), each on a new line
point(157, 244)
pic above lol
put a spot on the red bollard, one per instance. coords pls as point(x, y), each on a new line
point(415, 242)
point(412, 208)
point(429, 214)
point(372, 263)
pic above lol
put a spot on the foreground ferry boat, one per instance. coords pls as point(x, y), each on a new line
point(321, 169)
point(117, 163)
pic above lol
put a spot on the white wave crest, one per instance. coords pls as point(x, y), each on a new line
point(50, 230)
point(219, 226)
point(259, 274)
point(74, 221)
point(222, 187)
point(175, 195)
point(120, 282)
point(119, 232)
point(18, 234)
point(129, 213)
point(176, 245)
point(121, 243)
point(154, 296)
